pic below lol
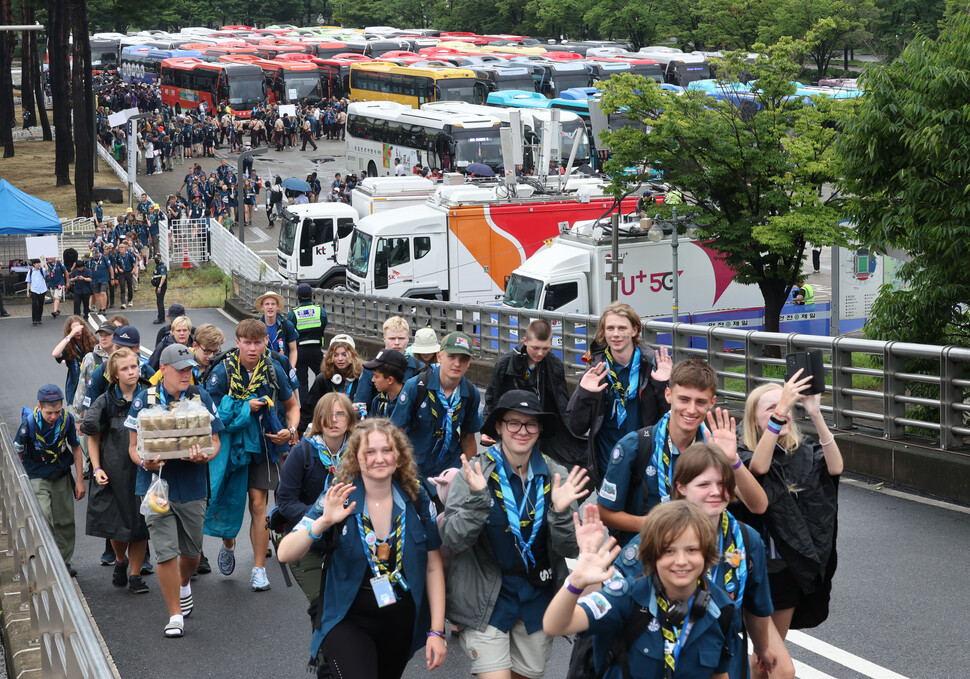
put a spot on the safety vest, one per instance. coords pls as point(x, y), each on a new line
point(674, 197)
point(808, 294)
point(308, 317)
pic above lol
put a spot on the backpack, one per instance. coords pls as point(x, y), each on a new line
point(28, 415)
point(275, 521)
point(278, 359)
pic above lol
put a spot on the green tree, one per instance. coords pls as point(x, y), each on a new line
point(753, 177)
point(904, 161)
point(624, 20)
point(734, 24)
point(899, 21)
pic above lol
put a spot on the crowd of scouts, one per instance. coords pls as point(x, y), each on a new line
point(703, 533)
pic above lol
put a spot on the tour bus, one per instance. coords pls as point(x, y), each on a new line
point(105, 51)
point(188, 82)
point(604, 70)
point(291, 82)
point(679, 68)
point(553, 77)
point(414, 86)
point(216, 53)
point(504, 77)
point(648, 68)
point(145, 66)
point(532, 122)
point(380, 132)
point(326, 49)
point(335, 73)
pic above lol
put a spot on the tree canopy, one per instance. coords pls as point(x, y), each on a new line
point(754, 176)
point(905, 160)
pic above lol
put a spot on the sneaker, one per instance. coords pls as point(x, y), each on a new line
point(146, 567)
point(158, 321)
point(108, 558)
point(124, 306)
point(71, 571)
point(259, 580)
point(136, 585)
point(187, 603)
point(227, 560)
point(120, 577)
point(204, 567)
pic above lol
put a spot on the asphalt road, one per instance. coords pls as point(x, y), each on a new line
point(899, 606)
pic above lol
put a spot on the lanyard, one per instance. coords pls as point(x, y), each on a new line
point(736, 574)
point(674, 637)
point(513, 511)
point(622, 394)
point(663, 447)
point(368, 539)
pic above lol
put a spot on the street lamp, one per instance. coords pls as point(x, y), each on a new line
point(240, 199)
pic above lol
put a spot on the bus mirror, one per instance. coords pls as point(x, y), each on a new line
point(481, 92)
point(380, 269)
point(437, 93)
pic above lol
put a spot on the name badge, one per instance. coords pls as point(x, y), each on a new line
point(383, 591)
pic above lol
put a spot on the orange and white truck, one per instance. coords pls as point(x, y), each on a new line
point(466, 240)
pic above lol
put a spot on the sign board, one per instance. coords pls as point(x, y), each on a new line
point(118, 119)
point(132, 151)
point(289, 109)
point(42, 246)
point(860, 274)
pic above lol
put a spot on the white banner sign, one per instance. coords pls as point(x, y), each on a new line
point(289, 109)
point(42, 246)
point(119, 118)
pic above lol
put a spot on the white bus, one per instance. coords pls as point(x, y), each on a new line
point(378, 132)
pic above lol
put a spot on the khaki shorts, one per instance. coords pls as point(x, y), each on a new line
point(57, 293)
point(177, 531)
point(494, 651)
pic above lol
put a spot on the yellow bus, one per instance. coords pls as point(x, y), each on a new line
point(382, 81)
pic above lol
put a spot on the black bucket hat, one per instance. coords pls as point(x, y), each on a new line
point(525, 402)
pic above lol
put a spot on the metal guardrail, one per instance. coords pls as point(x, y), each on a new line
point(867, 381)
point(69, 647)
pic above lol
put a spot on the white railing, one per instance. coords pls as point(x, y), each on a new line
point(234, 257)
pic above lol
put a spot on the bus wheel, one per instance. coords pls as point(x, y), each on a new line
point(337, 283)
point(371, 169)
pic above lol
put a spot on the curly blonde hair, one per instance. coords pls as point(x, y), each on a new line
point(406, 472)
point(351, 372)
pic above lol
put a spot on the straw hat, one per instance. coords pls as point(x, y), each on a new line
point(264, 296)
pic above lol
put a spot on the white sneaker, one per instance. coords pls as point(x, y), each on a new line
point(259, 580)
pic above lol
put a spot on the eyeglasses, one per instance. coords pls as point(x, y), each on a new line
point(339, 416)
point(209, 352)
point(515, 426)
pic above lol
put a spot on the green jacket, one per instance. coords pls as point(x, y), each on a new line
point(474, 576)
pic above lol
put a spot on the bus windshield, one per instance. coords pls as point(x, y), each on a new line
point(478, 146)
point(565, 81)
point(522, 292)
point(246, 91)
point(300, 87)
point(518, 82)
point(359, 258)
point(458, 89)
point(288, 233)
point(569, 131)
point(688, 72)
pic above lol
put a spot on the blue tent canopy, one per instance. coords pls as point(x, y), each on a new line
point(23, 214)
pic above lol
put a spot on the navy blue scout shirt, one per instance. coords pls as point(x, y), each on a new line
point(620, 492)
point(611, 432)
point(416, 422)
point(126, 262)
point(100, 272)
point(609, 609)
point(64, 430)
point(281, 334)
point(366, 391)
point(518, 598)
point(187, 481)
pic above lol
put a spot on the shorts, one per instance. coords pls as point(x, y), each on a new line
point(58, 292)
point(494, 651)
point(178, 531)
point(264, 475)
point(100, 287)
point(785, 592)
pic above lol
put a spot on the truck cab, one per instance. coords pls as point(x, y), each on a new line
point(313, 245)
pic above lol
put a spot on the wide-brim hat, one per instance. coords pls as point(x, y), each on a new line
point(425, 342)
point(525, 402)
point(279, 300)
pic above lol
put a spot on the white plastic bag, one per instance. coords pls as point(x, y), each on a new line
point(156, 499)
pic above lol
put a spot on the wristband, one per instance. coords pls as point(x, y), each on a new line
point(831, 440)
point(779, 420)
point(773, 428)
point(313, 536)
point(440, 633)
point(97, 469)
point(143, 465)
point(738, 464)
point(571, 589)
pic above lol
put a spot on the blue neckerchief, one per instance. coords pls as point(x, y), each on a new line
point(733, 578)
point(513, 511)
point(368, 540)
point(451, 405)
point(56, 429)
point(329, 460)
point(662, 457)
point(163, 395)
point(622, 394)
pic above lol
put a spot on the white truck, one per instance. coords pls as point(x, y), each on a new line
point(463, 243)
point(571, 275)
point(315, 237)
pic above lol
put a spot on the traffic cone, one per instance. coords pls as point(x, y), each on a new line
point(185, 258)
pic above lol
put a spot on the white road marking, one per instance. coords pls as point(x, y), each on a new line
point(803, 671)
point(224, 313)
point(844, 658)
point(906, 496)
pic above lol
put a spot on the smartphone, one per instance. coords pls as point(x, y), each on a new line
point(810, 363)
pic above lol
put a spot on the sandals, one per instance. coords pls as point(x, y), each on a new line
point(174, 629)
point(187, 603)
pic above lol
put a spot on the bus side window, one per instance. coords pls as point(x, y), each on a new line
point(421, 87)
point(422, 246)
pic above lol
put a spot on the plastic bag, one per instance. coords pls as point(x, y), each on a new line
point(156, 499)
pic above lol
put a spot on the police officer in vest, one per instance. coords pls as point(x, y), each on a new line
point(310, 320)
point(803, 294)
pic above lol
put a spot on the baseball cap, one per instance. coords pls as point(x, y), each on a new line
point(49, 393)
point(388, 357)
point(126, 336)
point(178, 356)
point(108, 328)
point(457, 343)
point(176, 310)
point(304, 291)
point(345, 338)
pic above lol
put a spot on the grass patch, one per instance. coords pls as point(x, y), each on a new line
point(778, 372)
point(32, 170)
point(198, 287)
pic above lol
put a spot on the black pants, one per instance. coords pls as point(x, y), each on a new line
point(37, 306)
point(160, 300)
point(308, 357)
point(111, 293)
point(126, 284)
point(82, 299)
point(816, 258)
point(308, 139)
point(371, 641)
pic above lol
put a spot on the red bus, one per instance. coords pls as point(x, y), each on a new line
point(273, 51)
point(288, 81)
point(187, 82)
point(335, 73)
point(217, 53)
